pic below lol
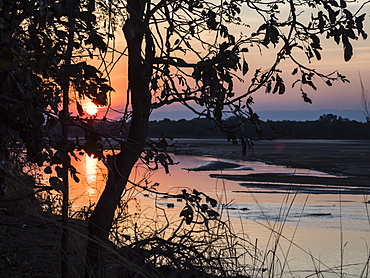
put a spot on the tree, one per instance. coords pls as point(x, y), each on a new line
point(330, 118)
point(38, 41)
point(159, 33)
point(43, 58)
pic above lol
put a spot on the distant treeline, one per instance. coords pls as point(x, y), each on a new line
point(328, 126)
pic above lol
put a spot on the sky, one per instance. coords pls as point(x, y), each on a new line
point(341, 96)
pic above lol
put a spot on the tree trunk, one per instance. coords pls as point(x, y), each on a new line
point(66, 163)
point(120, 165)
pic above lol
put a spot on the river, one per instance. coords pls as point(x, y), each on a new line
point(314, 232)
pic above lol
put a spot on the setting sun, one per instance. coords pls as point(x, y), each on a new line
point(91, 109)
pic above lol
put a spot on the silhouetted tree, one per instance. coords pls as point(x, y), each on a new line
point(39, 67)
point(329, 118)
point(178, 51)
point(158, 34)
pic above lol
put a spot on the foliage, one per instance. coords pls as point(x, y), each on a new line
point(35, 38)
point(221, 56)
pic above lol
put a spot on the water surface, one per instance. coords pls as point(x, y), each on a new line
point(313, 226)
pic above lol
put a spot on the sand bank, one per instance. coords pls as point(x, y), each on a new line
point(340, 157)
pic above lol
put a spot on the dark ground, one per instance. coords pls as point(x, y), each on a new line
point(30, 244)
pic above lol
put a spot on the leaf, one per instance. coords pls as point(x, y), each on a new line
point(212, 201)
point(204, 207)
point(231, 39)
point(266, 40)
point(276, 87)
point(61, 172)
point(211, 21)
point(187, 213)
point(306, 98)
point(310, 83)
point(36, 117)
point(317, 54)
point(309, 53)
point(348, 14)
point(196, 192)
point(321, 21)
point(262, 27)
point(90, 71)
point(56, 184)
point(72, 70)
point(196, 74)
point(332, 14)
point(273, 34)
point(206, 224)
point(88, 17)
point(212, 213)
point(334, 3)
point(281, 88)
point(80, 110)
point(359, 24)
point(97, 42)
point(93, 149)
point(61, 34)
point(48, 170)
point(348, 49)
point(268, 87)
point(75, 177)
point(315, 41)
point(245, 67)
point(161, 158)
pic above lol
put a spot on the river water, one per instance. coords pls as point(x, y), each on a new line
point(328, 232)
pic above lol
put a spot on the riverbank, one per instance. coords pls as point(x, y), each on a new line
point(339, 157)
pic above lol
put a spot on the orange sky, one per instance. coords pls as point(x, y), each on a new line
point(340, 96)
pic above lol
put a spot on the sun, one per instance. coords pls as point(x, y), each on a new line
point(91, 109)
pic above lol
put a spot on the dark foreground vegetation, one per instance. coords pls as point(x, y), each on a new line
point(328, 126)
point(31, 231)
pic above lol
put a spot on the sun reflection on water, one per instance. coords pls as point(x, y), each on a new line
point(91, 173)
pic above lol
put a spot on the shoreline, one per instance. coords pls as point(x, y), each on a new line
point(29, 236)
point(346, 158)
